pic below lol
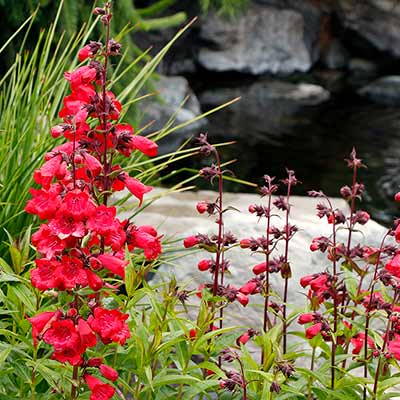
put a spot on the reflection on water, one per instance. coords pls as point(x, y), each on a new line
point(313, 139)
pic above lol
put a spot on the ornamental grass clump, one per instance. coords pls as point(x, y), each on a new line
point(82, 246)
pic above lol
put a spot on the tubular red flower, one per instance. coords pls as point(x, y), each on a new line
point(204, 265)
point(110, 325)
point(358, 342)
point(137, 188)
point(100, 390)
point(113, 264)
point(242, 299)
point(260, 268)
point(313, 330)
point(40, 322)
point(306, 318)
point(190, 241)
point(108, 372)
point(249, 288)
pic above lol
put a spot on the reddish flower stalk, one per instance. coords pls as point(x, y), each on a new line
point(286, 273)
point(268, 191)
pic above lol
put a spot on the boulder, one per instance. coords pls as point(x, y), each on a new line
point(385, 90)
point(265, 39)
point(377, 21)
point(172, 92)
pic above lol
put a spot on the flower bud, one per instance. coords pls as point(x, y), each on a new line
point(275, 387)
point(260, 268)
point(345, 192)
point(202, 207)
point(306, 318)
point(242, 299)
point(252, 208)
point(243, 339)
point(72, 312)
point(313, 330)
point(190, 241)
point(397, 197)
point(249, 287)
point(99, 11)
point(245, 243)
point(108, 372)
point(204, 265)
point(95, 362)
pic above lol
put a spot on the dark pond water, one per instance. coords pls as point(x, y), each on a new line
point(312, 139)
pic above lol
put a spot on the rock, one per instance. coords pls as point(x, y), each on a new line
point(362, 66)
point(335, 56)
point(266, 109)
point(175, 216)
point(385, 90)
point(173, 90)
point(264, 39)
point(377, 21)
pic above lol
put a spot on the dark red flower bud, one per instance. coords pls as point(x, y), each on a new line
point(345, 192)
point(275, 387)
point(99, 11)
point(397, 197)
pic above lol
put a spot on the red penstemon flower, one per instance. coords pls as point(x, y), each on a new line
point(82, 240)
